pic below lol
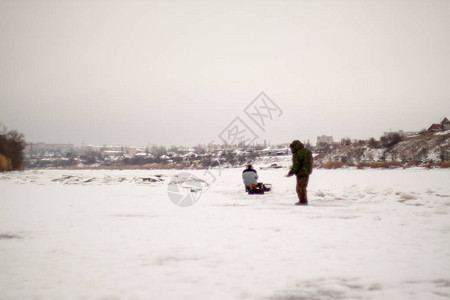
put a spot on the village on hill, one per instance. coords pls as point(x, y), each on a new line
point(399, 148)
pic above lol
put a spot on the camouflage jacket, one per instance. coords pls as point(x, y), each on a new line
point(302, 160)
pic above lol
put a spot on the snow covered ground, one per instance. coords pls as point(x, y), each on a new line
point(367, 234)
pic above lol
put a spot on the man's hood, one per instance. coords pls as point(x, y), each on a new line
point(296, 145)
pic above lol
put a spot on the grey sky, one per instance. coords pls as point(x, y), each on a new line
point(178, 72)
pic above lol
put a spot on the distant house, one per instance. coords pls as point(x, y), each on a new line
point(112, 153)
point(141, 154)
point(444, 125)
point(275, 151)
point(401, 133)
point(324, 139)
point(435, 127)
point(34, 148)
point(281, 152)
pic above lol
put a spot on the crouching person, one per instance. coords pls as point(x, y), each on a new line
point(249, 176)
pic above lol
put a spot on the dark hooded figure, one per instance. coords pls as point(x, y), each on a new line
point(301, 167)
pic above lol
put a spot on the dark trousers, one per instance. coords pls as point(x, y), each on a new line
point(302, 183)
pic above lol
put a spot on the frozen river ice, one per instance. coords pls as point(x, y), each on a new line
point(367, 234)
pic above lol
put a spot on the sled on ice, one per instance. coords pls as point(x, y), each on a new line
point(259, 188)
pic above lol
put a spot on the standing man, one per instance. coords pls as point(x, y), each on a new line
point(301, 167)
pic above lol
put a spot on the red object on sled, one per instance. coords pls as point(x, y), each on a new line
point(259, 188)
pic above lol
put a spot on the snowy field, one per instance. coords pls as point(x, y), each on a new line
point(367, 234)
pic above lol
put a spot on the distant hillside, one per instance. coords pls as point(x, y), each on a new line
point(426, 149)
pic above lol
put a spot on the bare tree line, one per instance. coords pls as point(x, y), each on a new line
point(12, 144)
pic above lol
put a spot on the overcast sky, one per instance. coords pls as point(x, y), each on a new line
point(178, 72)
